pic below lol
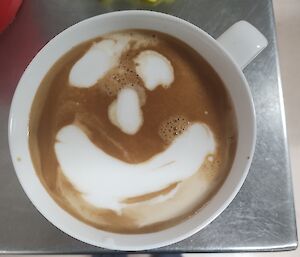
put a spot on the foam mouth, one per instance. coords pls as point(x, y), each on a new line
point(106, 182)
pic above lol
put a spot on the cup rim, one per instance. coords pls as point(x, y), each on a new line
point(107, 244)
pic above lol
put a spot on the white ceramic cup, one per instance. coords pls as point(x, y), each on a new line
point(242, 41)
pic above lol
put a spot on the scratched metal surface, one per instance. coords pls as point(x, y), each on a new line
point(261, 217)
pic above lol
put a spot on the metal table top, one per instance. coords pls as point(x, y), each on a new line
point(261, 217)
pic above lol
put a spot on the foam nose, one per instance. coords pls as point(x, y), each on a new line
point(125, 112)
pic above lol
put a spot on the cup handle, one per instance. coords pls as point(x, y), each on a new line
point(243, 42)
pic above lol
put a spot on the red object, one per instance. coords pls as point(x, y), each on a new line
point(8, 10)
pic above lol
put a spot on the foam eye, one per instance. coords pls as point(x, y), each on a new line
point(154, 69)
point(94, 64)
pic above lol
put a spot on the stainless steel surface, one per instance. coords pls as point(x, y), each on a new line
point(261, 217)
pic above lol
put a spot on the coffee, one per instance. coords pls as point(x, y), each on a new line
point(132, 132)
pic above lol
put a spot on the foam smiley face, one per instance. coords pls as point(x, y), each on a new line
point(137, 139)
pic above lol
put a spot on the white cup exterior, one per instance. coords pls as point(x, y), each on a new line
point(209, 48)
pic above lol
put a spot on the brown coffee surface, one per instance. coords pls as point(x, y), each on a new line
point(196, 95)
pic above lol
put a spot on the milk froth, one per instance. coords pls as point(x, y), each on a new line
point(132, 132)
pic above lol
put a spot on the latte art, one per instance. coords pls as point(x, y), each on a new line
point(136, 132)
point(125, 112)
point(102, 183)
point(99, 59)
point(155, 69)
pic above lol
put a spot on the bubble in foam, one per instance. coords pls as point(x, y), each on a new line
point(120, 78)
point(173, 127)
point(211, 166)
point(210, 158)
